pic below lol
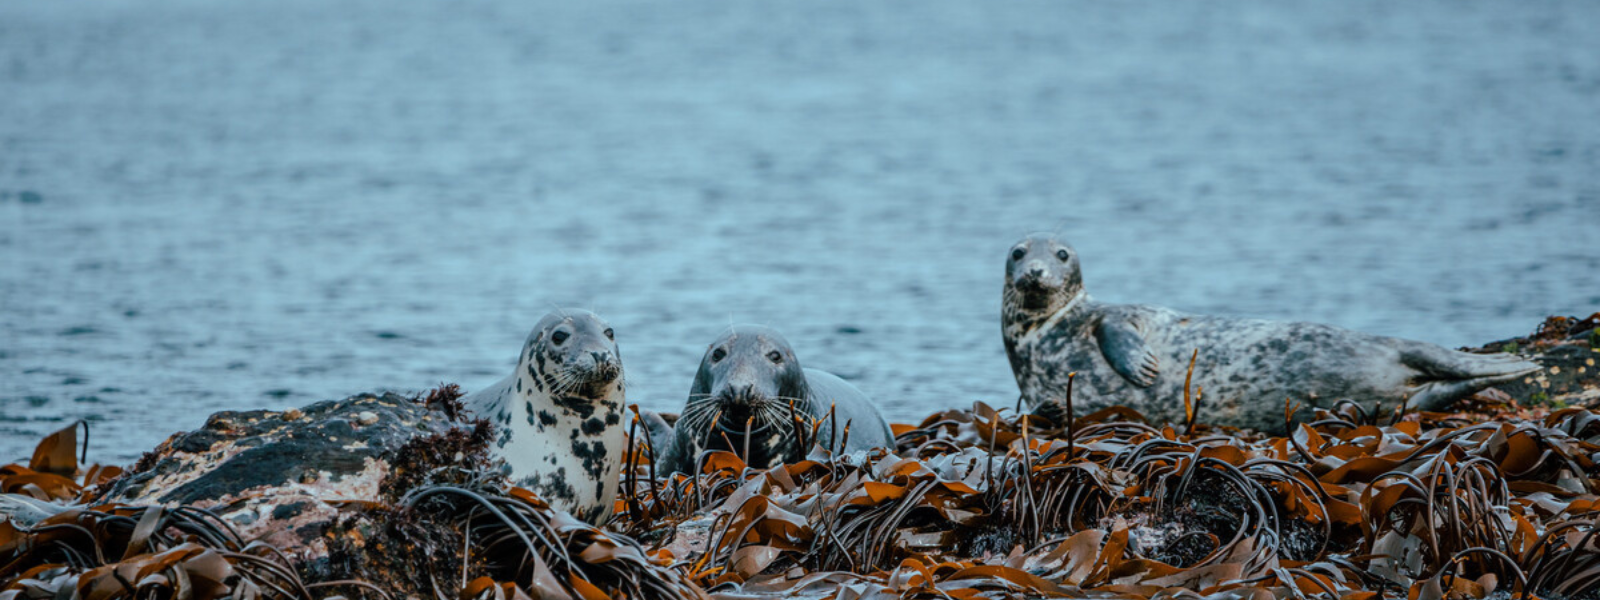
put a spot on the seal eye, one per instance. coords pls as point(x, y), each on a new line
point(718, 354)
point(559, 336)
point(1018, 254)
point(610, 335)
point(1062, 254)
point(775, 357)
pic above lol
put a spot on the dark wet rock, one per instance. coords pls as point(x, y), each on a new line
point(284, 476)
point(1569, 350)
point(289, 511)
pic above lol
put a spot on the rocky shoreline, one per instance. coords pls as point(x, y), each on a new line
point(392, 497)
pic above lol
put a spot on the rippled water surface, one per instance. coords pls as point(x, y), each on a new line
point(224, 205)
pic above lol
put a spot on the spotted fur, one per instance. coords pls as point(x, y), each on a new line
point(561, 412)
point(1138, 356)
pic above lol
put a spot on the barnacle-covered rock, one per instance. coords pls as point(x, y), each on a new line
point(282, 476)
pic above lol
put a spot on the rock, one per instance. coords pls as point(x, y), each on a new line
point(1566, 348)
point(281, 477)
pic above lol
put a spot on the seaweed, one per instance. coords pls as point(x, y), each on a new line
point(1496, 500)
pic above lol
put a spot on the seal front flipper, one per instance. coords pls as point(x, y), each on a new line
point(1125, 348)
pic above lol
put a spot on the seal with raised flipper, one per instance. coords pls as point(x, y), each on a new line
point(1138, 356)
point(559, 415)
point(751, 396)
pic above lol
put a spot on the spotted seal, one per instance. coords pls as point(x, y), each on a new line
point(741, 399)
point(559, 415)
point(1138, 356)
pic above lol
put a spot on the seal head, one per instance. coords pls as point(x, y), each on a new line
point(1042, 278)
point(742, 394)
point(572, 357)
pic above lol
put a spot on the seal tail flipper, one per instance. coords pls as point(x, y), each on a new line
point(27, 511)
point(1444, 376)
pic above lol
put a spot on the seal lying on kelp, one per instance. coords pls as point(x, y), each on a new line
point(741, 401)
point(1138, 355)
point(559, 415)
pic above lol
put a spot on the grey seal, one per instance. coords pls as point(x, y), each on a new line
point(559, 414)
point(1138, 356)
point(741, 400)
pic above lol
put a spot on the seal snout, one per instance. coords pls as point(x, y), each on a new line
point(1036, 276)
point(742, 413)
point(1034, 289)
point(601, 367)
point(739, 403)
point(740, 396)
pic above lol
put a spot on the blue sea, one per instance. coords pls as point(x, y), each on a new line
point(220, 205)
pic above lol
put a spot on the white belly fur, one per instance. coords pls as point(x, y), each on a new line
point(553, 456)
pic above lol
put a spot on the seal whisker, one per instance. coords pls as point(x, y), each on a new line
point(697, 412)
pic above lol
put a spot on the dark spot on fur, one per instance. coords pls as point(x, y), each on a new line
point(545, 417)
point(552, 487)
point(582, 407)
point(593, 455)
point(593, 426)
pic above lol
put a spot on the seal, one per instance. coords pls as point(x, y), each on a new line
point(752, 397)
point(1139, 356)
point(559, 415)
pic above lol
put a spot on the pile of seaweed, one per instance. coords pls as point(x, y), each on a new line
point(975, 503)
point(1500, 499)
